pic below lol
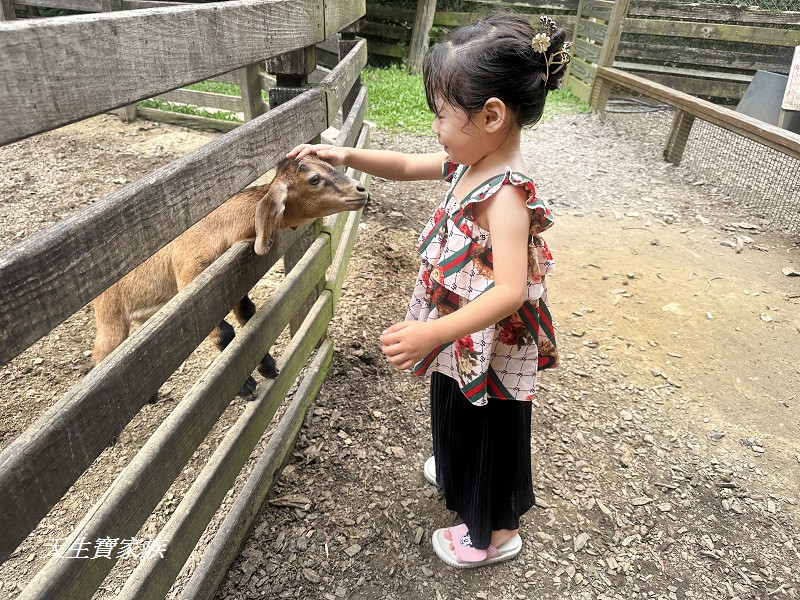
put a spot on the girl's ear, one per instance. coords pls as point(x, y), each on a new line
point(494, 115)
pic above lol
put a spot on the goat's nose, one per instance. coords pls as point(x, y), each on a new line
point(361, 188)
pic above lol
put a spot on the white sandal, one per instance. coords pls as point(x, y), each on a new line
point(429, 470)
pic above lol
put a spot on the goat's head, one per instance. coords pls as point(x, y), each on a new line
point(304, 190)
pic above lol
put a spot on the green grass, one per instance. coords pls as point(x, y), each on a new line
point(216, 87)
point(188, 110)
point(397, 102)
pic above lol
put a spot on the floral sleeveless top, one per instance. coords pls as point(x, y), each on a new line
point(500, 361)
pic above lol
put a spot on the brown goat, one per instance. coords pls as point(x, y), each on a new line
point(302, 190)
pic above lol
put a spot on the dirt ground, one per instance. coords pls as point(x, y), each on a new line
point(666, 446)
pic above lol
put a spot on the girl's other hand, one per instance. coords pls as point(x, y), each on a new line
point(407, 343)
point(335, 155)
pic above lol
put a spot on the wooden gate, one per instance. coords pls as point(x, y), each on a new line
point(110, 60)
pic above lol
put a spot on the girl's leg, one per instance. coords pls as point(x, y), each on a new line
point(483, 460)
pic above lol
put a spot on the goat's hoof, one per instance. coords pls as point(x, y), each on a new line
point(248, 391)
point(268, 367)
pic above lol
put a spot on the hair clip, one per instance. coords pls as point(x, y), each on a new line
point(559, 60)
point(548, 24)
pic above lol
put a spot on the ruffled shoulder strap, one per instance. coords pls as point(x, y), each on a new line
point(542, 215)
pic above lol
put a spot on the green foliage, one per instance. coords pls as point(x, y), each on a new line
point(397, 102)
point(563, 102)
point(189, 110)
point(217, 87)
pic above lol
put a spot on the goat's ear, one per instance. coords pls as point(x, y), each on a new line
point(269, 215)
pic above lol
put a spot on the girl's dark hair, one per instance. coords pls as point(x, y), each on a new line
point(493, 57)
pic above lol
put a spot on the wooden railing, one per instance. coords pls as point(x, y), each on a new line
point(113, 59)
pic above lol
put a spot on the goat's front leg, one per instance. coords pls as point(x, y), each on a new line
point(244, 310)
point(222, 336)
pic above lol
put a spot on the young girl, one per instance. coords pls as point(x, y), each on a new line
point(478, 318)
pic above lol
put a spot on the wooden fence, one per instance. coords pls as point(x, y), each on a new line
point(705, 49)
point(114, 59)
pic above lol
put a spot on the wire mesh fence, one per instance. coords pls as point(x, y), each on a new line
point(762, 178)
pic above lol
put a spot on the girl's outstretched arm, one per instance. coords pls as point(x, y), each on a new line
point(408, 342)
point(381, 163)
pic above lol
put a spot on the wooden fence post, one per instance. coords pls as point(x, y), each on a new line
point(7, 10)
point(347, 42)
point(601, 90)
point(420, 35)
point(678, 136)
point(291, 71)
point(253, 104)
point(127, 114)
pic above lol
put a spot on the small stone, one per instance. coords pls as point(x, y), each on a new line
point(353, 550)
point(641, 501)
point(580, 541)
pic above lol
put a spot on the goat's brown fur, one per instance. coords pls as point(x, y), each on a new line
point(300, 192)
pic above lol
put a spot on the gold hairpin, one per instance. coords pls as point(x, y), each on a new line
point(541, 43)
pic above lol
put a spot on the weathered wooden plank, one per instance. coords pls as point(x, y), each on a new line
point(678, 137)
point(383, 31)
point(233, 531)
point(340, 13)
point(38, 467)
point(582, 70)
point(613, 33)
point(134, 494)
point(681, 72)
point(340, 80)
point(204, 99)
point(457, 19)
point(351, 128)
point(152, 579)
point(754, 129)
point(579, 88)
point(777, 60)
point(700, 87)
point(186, 120)
point(546, 7)
point(791, 97)
point(52, 274)
point(109, 60)
point(597, 9)
point(82, 5)
point(592, 30)
point(139, 4)
point(252, 102)
point(342, 256)
point(587, 51)
point(391, 50)
point(706, 11)
point(713, 31)
point(7, 10)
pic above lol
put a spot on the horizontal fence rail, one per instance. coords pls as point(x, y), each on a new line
point(108, 60)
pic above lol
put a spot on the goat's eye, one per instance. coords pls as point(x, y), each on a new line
point(315, 180)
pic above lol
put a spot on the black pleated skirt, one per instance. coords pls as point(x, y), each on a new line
point(483, 458)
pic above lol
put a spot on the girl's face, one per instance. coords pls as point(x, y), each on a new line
point(458, 134)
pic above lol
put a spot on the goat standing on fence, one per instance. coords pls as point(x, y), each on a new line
point(302, 190)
